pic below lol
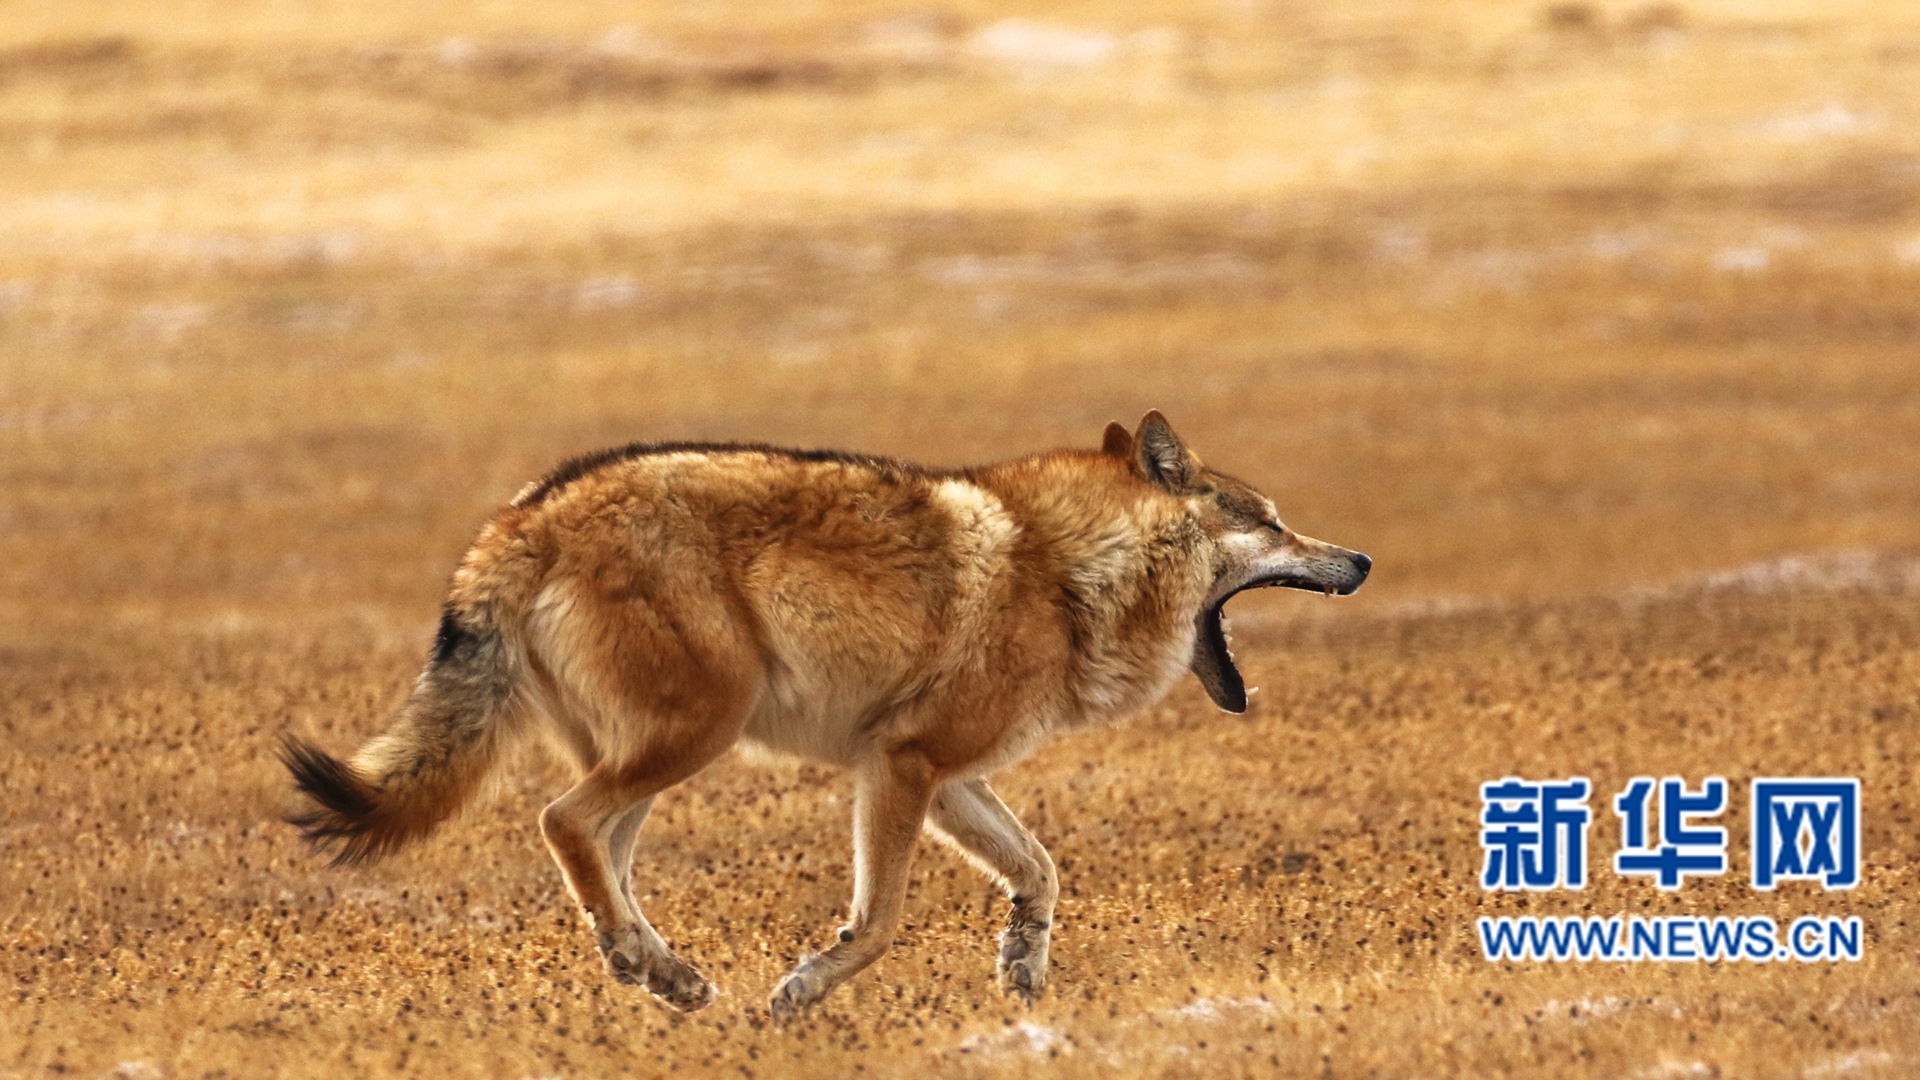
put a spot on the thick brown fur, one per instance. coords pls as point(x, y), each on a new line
point(647, 608)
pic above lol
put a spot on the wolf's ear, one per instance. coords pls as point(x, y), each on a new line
point(1162, 457)
point(1118, 442)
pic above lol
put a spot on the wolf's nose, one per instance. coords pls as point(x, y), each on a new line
point(1365, 564)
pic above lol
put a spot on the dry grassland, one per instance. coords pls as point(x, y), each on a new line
point(1597, 325)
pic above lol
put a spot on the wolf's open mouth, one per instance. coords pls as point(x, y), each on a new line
point(1213, 661)
point(1286, 583)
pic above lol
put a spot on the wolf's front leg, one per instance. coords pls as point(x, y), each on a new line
point(890, 803)
point(973, 818)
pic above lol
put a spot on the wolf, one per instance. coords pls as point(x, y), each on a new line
point(648, 607)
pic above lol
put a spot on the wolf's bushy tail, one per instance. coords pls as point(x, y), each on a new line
point(426, 766)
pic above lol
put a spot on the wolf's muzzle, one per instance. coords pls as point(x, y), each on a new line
point(1362, 563)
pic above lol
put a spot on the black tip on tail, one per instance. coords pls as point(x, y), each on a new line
point(346, 812)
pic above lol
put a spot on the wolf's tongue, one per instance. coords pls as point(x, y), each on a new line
point(1214, 664)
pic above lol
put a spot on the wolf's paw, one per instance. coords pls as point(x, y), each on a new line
point(1023, 958)
point(794, 993)
point(665, 977)
point(679, 985)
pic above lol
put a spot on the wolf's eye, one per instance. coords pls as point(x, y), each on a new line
point(1275, 527)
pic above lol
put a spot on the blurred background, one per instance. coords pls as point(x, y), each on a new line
point(1595, 322)
point(1525, 298)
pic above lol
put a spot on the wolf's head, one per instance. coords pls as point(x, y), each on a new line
point(1248, 547)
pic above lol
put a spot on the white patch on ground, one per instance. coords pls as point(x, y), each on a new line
point(212, 250)
point(1207, 1010)
point(1210, 267)
point(1162, 41)
point(21, 836)
point(456, 52)
point(1851, 1063)
point(1828, 122)
point(1671, 1068)
point(235, 623)
point(1908, 250)
point(921, 37)
point(486, 917)
point(1198, 1012)
point(1038, 1039)
point(1835, 571)
point(324, 319)
point(169, 322)
point(1507, 270)
point(1584, 1009)
point(1743, 260)
point(632, 43)
point(1040, 48)
point(41, 418)
point(1614, 246)
point(180, 834)
point(1025, 1037)
point(1830, 571)
point(1433, 607)
point(15, 294)
point(602, 293)
point(136, 1070)
point(1400, 246)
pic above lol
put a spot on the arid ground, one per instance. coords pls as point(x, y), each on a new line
point(1596, 324)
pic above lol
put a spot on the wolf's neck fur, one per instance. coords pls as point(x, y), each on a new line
point(1130, 566)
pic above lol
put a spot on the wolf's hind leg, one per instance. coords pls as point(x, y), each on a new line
point(666, 975)
point(971, 817)
point(592, 831)
point(890, 803)
point(622, 841)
